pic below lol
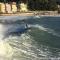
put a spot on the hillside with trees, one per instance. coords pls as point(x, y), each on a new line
point(36, 4)
point(42, 5)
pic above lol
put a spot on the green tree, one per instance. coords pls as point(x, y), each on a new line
point(52, 5)
point(42, 4)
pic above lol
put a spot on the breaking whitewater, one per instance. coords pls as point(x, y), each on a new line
point(40, 42)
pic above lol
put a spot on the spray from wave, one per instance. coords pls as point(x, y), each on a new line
point(6, 50)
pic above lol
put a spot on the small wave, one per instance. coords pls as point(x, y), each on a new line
point(46, 29)
point(37, 16)
point(38, 26)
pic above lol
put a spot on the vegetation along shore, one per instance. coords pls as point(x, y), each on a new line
point(30, 7)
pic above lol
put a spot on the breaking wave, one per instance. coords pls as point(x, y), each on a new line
point(24, 47)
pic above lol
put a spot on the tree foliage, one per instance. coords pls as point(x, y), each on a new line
point(36, 4)
point(42, 5)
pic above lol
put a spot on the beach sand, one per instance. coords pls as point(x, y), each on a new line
point(33, 13)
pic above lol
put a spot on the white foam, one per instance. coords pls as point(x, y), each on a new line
point(1, 31)
point(40, 27)
point(37, 16)
point(24, 42)
point(5, 49)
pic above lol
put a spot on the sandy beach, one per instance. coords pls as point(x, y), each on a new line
point(17, 14)
point(32, 13)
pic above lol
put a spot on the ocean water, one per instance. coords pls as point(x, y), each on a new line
point(40, 42)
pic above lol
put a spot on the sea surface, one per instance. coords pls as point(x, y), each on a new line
point(40, 42)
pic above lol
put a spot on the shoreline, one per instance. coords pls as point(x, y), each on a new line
point(28, 14)
point(17, 14)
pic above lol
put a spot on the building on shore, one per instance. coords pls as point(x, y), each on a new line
point(12, 8)
point(2, 8)
point(23, 7)
point(8, 8)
